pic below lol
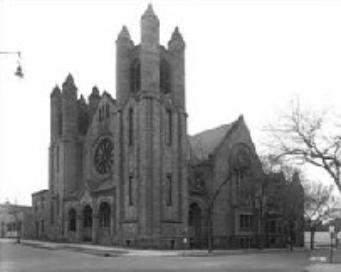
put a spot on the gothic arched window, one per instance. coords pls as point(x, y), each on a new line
point(169, 126)
point(135, 76)
point(131, 127)
point(164, 76)
point(130, 190)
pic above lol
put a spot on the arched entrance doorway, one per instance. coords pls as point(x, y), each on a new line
point(104, 216)
point(194, 223)
point(87, 223)
point(72, 220)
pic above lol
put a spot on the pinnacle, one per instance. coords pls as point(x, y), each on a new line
point(56, 90)
point(149, 11)
point(69, 78)
point(69, 83)
point(176, 34)
point(176, 37)
point(81, 99)
point(124, 33)
point(95, 91)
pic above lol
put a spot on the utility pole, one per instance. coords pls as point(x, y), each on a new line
point(19, 72)
point(332, 234)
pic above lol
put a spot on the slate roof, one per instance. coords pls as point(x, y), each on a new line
point(204, 143)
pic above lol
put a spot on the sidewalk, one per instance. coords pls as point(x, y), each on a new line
point(320, 261)
point(123, 251)
point(323, 267)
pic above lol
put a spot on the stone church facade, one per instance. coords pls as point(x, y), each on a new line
point(125, 172)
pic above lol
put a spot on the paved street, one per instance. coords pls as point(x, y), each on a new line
point(15, 257)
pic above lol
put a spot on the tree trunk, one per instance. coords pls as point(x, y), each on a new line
point(209, 231)
point(261, 237)
point(312, 238)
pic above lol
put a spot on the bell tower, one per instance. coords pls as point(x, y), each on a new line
point(150, 92)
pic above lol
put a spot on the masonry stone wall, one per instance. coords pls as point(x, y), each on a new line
point(151, 181)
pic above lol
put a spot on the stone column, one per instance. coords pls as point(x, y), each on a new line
point(95, 225)
point(65, 229)
point(79, 227)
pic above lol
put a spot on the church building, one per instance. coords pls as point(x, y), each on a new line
point(123, 171)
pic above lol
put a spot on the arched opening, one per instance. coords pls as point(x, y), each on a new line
point(164, 76)
point(87, 223)
point(104, 215)
point(135, 76)
point(194, 223)
point(72, 220)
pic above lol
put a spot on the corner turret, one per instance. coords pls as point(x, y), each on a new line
point(94, 98)
point(56, 114)
point(124, 45)
point(69, 108)
point(176, 43)
point(176, 47)
point(124, 35)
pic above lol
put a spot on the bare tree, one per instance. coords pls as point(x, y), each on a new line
point(306, 137)
point(318, 203)
point(211, 197)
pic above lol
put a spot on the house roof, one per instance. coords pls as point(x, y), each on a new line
point(204, 143)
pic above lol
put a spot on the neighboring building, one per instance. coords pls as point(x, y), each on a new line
point(284, 211)
point(15, 220)
point(43, 211)
point(124, 171)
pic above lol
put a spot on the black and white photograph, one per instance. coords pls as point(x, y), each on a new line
point(170, 135)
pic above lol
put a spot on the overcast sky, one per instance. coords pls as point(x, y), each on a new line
point(242, 57)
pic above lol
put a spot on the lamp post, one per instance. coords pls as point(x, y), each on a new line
point(18, 72)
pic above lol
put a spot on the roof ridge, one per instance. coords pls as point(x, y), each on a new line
point(211, 129)
point(204, 143)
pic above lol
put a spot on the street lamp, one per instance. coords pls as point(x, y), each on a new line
point(18, 72)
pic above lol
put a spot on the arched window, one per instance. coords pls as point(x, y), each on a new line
point(135, 76)
point(164, 76)
point(72, 220)
point(104, 215)
point(169, 127)
point(107, 110)
point(130, 190)
point(131, 127)
point(169, 189)
point(239, 179)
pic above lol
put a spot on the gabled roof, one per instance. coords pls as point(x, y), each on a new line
point(105, 93)
point(204, 143)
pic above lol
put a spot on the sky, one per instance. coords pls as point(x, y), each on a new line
point(242, 57)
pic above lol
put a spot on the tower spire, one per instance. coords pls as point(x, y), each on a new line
point(69, 84)
point(124, 34)
point(149, 11)
point(56, 91)
point(149, 54)
point(176, 41)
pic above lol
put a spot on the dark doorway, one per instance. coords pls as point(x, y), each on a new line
point(104, 215)
point(195, 219)
point(37, 229)
point(87, 223)
point(72, 220)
